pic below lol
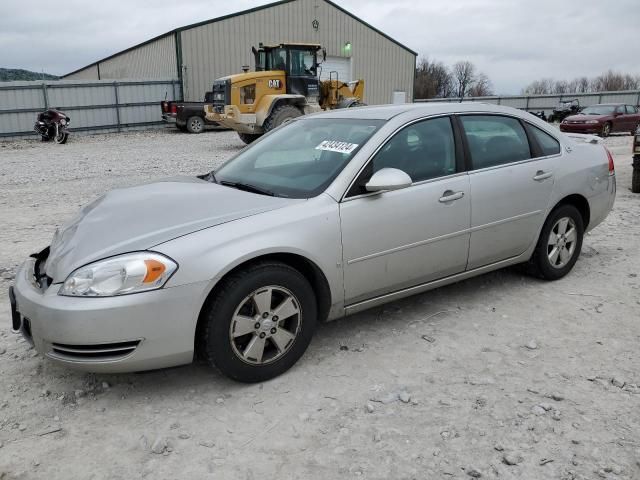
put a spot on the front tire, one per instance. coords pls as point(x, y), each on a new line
point(259, 322)
point(559, 244)
point(606, 130)
point(61, 138)
point(280, 115)
point(195, 124)
point(249, 137)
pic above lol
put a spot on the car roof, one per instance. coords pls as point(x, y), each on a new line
point(386, 112)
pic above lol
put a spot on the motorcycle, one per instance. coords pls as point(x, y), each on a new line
point(52, 124)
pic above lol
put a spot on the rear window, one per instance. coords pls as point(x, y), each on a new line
point(495, 140)
point(548, 144)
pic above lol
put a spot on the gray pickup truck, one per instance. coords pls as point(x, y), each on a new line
point(187, 116)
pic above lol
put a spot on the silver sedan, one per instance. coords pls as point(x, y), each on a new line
point(326, 216)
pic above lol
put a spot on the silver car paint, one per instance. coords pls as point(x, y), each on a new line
point(135, 218)
point(315, 230)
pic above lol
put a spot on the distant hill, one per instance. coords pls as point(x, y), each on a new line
point(12, 74)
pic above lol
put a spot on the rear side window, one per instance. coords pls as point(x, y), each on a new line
point(495, 140)
point(631, 109)
point(548, 144)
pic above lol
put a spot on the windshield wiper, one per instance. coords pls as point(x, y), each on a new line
point(248, 188)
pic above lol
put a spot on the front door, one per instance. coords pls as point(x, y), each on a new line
point(398, 239)
point(510, 188)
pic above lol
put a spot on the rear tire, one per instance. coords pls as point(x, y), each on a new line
point(249, 137)
point(635, 180)
point(633, 132)
point(280, 115)
point(559, 244)
point(241, 334)
point(195, 124)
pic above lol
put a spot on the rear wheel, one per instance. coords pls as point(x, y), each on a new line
point(259, 323)
point(606, 130)
point(249, 137)
point(280, 115)
point(635, 129)
point(559, 244)
point(635, 180)
point(195, 124)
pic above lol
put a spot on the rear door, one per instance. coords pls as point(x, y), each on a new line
point(511, 180)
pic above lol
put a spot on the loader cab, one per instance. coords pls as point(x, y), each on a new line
point(298, 61)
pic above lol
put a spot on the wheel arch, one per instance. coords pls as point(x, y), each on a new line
point(271, 102)
point(308, 268)
point(581, 203)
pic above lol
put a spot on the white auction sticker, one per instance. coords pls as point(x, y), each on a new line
point(336, 146)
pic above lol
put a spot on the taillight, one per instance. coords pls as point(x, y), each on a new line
point(612, 168)
point(174, 108)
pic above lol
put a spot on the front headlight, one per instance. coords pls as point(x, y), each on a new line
point(129, 273)
point(591, 122)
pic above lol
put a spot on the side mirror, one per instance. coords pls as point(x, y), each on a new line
point(388, 179)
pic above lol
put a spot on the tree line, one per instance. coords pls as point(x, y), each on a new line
point(436, 80)
point(12, 74)
point(609, 81)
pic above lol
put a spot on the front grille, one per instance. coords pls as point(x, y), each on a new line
point(103, 351)
point(221, 93)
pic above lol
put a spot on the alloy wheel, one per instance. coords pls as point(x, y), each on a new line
point(561, 244)
point(265, 325)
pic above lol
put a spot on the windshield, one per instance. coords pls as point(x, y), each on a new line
point(598, 110)
point(299, 160)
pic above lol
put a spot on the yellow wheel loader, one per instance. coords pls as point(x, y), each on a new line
point(285, 85)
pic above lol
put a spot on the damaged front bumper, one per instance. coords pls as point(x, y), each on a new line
point(124, 333)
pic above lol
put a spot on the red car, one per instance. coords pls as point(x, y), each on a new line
point(603, 119)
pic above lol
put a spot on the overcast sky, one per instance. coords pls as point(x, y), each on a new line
point(512, 41)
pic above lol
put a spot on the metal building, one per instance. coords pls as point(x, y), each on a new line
point(198, 54)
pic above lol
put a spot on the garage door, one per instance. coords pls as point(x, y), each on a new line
point(336, 64)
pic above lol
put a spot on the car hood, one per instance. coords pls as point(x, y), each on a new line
point(582, 118)
point(138, 218)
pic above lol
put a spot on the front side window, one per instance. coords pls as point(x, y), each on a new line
point(495, 140)
point(277, 59)
point(631, 110)
point(302, 62)
point(548, 145)
point(423, 150)
point(299, 160)
point(620, 109)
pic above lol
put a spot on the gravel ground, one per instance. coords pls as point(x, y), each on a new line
point(501, 376)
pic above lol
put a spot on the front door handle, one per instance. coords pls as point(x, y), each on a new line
point(450, 196)
point(542, 175)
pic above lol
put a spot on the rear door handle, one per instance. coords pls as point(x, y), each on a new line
point(542, 175)
point(450, 196)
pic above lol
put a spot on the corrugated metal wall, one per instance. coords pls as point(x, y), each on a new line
point(546, 103)
point(221, 48)
point(88, 73)
point(156, 59)
point(92, 105)
point(153, 60)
